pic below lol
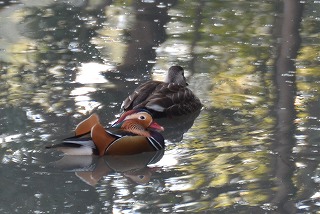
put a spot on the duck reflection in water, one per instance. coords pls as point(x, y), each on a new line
point(171, 100)
point(91, 169)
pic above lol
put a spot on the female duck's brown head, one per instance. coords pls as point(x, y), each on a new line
point(137, 122)
point(176, 75)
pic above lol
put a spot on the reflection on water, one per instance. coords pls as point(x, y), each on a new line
point(88, 75)
point(91, 169)
point(253, 148)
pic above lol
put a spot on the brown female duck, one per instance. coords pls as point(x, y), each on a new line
point(165, 99)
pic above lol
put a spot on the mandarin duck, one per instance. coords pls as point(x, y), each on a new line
point(134, 132)
point(164, 99)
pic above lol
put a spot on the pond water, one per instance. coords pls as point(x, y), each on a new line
point(254, 147)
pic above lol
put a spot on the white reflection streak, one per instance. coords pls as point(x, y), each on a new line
point(8, 138)
point(176, 48)
point(170, 158)
point(88, 73)
point(35, 117)
point(181, 183)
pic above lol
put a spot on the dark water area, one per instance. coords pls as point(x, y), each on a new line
point(253, 148)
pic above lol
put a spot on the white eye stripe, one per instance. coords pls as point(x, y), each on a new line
point(139, 116)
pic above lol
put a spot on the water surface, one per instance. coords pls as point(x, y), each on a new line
point(254, 148)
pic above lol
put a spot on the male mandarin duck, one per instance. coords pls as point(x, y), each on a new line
point(164, 99)
point(134, 132)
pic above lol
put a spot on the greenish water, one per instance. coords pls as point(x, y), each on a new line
point(254, 148)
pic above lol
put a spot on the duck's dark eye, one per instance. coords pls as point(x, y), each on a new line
point(142, 117)
point(141, 177)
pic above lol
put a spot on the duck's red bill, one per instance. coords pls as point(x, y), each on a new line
point(156, 126)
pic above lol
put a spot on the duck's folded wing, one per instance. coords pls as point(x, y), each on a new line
point(75, 146)
point(173, 99)
point(78, 142)
point(139, 95)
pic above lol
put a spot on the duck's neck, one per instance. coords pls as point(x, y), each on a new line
point(170, 78)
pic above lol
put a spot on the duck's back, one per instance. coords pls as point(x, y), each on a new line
point(163, 99)
point(140, 95)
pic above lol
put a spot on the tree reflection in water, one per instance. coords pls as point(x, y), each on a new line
point(250, 149)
